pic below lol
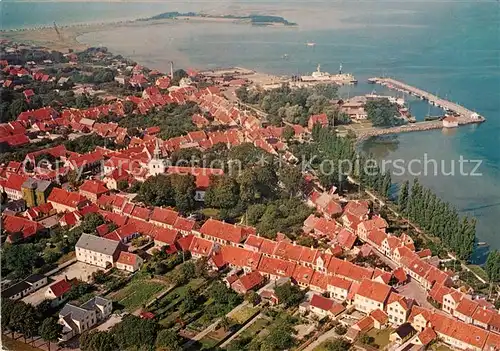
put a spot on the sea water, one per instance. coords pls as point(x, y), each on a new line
point(449, 48)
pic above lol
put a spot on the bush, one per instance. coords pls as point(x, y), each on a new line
point(340, 329)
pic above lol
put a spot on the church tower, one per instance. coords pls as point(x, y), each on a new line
point(156, 165)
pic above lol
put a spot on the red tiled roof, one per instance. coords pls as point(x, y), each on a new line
point(185, 242)
point(400, 274)
point(127, 258)
point(492, 342)
point(379, 315)
point(94, 187)
point(374, 291)
point(240, 257)
point(321, 302)
point(69, 199)
point(61, 287)
point(224, 231)
point(166, 236)
point(349, 270)
point(319, 280)
point(15, 181)
point(346, 238)
point(426, 336)
point(466, 307)
point(302, 274)
point(365, 324)
point(377, 237)
point(483, 315)
point(201, 246)
point(464, 332)
point(13, 224)
point(275, 266)
point(263, 245)
point(339, 282)
point(184, 224)
point(251, 280)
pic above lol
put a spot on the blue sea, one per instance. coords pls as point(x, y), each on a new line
point(450, 48)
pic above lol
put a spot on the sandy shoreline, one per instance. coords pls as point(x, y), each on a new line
point(68, 35)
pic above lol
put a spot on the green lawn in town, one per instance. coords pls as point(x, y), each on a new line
point(137, 293)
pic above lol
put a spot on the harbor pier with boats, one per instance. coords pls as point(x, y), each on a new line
point(462, 113)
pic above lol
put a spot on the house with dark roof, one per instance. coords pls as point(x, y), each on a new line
point(25, 287)
point(78, 319)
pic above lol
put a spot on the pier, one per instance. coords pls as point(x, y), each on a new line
point(464, 115)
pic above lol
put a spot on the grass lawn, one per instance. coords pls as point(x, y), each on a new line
point(136, 293)
point(243, 314)
point(11, 344)
point(177, 294)
point(211, 212)
point(254, 329)
point(381, 336)
point(478, 270)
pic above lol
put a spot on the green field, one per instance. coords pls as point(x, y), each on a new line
point(479, 271)
point(137, 293)
point(243, 314)
point(381, 336)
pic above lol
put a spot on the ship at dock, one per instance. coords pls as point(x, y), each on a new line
point(324, 77)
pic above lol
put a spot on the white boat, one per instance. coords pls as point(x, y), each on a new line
point(309, 43)
point(340, 78)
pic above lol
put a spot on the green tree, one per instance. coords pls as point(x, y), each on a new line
point(382, 113)
point(168, 340)
point(21, 259)
point(188, 303)
point(492, 266)
point(403, 196)
point(291, 180)
point(288, 133)
point(289, 294)
point(338, 344)
point(50, 330)
point(223, 192)
point(91, 221)
point(95, 340)
point(134, 332)
point(122, 185)
point(18, 106)
point(252, 297)
point(224, 323)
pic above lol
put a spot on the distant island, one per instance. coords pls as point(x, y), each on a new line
point(253, 19)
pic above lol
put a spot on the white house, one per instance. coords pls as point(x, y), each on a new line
point(76, 320)
point(97, 251)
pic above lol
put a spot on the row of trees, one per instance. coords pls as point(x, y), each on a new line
point(294, 105)
point(441, 219)
point(131, 333)
point(20, 317)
